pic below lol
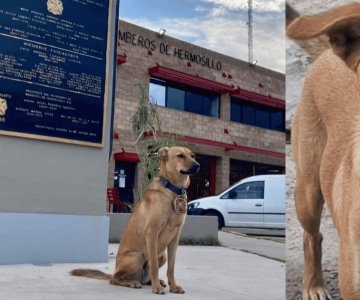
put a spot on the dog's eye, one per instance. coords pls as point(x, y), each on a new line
point(193, 156)
point(181, 155)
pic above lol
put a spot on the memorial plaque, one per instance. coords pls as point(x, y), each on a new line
point(53, 62)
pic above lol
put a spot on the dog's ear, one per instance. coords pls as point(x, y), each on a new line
point(345, 41)
point(163, 153)
point(341, 25)
point(308, 27)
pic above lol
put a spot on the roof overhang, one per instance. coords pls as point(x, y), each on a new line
point(230, 147)
point(213, 86)
point(258, 98)
point(127, 157)
point(225, 146)
point(189, 80)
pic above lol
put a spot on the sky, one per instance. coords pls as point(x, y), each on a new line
point(219, 25)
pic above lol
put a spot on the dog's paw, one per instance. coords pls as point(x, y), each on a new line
point(316, 293)
point(177, 289)
point(162, 282)
point(136, 285)
point(158, 289)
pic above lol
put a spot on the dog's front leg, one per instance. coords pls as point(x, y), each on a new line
point(152, 241)
point(172, 247)
point(309, 204)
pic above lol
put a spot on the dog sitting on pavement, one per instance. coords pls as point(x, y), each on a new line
point(154, 227)
point(326, 147)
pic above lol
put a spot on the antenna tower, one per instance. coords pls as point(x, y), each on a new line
point(250, 32)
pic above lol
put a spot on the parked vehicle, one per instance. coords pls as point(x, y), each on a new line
point(257, 201)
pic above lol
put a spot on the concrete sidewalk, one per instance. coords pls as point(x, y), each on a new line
point(204, 272)
point(265, 247)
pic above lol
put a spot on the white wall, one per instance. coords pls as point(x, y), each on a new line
point(46, 177)
point(49, 238)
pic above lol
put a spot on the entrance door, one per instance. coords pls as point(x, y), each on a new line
point(124, 180)
point(203, 183)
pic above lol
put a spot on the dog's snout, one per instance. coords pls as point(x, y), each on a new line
point(195, 168)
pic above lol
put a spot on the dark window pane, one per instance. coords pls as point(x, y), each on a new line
point(257, 115)
point(235, 111)
point(263, 118)
point(248, 115)
point(240, 169)
point(261, 169)
point(203, 104)
point(248, 190)
point(195, 103)
point(278, 120)
point(175, 98)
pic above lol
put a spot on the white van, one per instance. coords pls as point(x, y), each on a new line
point(257, 201)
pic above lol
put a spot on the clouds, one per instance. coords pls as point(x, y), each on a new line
point(220, 25)
point(258, 5)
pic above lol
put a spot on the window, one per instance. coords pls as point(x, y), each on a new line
point(277, 120)
point(157, 92)
point(240, 169)
point(175, 98)
point(248, 115)
point(235, 111)
point(184, 98)
point(248, 190)
point(257, 115)
point(263, 117)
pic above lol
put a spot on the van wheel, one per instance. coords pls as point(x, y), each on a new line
point(218, 215)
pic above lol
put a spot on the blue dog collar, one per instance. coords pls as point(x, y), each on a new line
point(166, 183)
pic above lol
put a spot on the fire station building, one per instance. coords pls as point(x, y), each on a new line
point(228, 112)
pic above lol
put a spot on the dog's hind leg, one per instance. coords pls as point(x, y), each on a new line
point(309, 205)
point(308, 141)
point(128, 270)
point(131, 283)
point(145, 276)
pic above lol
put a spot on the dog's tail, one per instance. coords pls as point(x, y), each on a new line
point(91, 274)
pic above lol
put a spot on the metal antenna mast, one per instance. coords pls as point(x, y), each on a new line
point(250, 32)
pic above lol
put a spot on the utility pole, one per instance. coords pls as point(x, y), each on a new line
point(250, 33)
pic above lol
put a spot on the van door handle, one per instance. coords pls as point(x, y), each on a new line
point(258, 204)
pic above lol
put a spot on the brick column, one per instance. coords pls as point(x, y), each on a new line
point(111, 172)
point(222, 173)
point(225, 107)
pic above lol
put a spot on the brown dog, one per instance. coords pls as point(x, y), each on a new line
point(154, 226)
point(326, 147)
